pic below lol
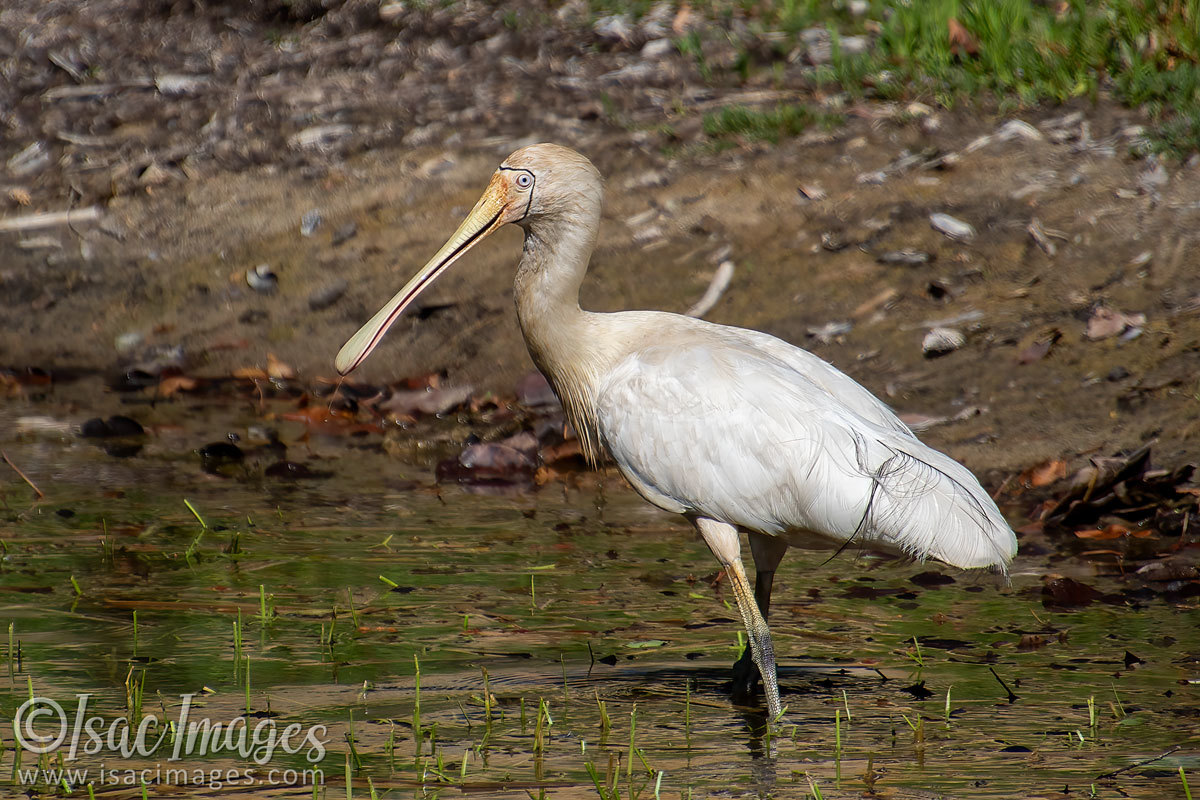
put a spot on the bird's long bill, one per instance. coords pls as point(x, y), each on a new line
point(487, 216)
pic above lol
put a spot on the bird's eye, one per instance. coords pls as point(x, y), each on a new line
point(524, 180)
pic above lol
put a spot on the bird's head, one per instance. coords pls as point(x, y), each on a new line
point(558, 182)
point(536, 183)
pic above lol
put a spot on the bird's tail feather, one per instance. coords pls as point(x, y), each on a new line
point(927, 505)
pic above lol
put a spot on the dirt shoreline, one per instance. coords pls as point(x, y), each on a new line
point(160, 278)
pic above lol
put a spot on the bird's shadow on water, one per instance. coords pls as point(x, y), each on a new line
point(714, 684)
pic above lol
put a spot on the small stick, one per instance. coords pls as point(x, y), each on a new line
point(1158, 757)
point(49, 219)
point(1000, 489)
point(716, 288)
point(1012, 698)
point(24, 477)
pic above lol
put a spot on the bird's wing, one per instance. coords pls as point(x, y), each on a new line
point(739, 436)
point(830, 378)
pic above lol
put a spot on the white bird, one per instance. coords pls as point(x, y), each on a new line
point(734, 429)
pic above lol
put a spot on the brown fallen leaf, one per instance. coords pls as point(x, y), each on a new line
point(251, 374)
point(545, 475)
point(1047, 473)
point(1069, 592)
point(1035, 352)
point(278, 370)
point(10, 386)
point(321, 418)
point(682, 21)
point(1171, 569)
point(427, 380)
point(962, 42)
point(534, 390)
point(170, 386)
point(1040, 348)
point(524, 442)
point(1113, 531)
point(1106, 322)
point(431, 401)
point(562, 451)
point(488, 462)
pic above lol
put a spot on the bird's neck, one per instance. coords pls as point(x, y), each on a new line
point(559, 334)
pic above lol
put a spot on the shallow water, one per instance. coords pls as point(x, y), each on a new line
point(569, 597)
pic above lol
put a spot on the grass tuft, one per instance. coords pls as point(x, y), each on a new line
point(1145, 52)
point(764, 125)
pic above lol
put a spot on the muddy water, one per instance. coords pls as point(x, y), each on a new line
point(580, 602)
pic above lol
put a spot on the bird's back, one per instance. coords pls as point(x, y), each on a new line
point(744, 428)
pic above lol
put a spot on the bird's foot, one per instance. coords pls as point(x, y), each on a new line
point(746, 680)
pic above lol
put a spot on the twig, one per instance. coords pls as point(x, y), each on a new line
point(49, 219)
point(24, 477)
point(1041, 237)
point(1012, 698)
point(95, 89)
point(1000, 490)
point(1158, 757)
point(716, 288)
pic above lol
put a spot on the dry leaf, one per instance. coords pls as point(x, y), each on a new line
point(1068, 592)
point(682, 21)
point(278, 370)
point(1111, 532)
point(329, 421)
point(1047, 473)
point(250, 374)
point(561, 451)
point(1035, 352)
point(1040, 348)
point(1171, 569)
point(10, 386)
point(545, 475)
point(962, 43)
point(1105, 322)
point(428, 380)
point(168, 387)
point(425, 401)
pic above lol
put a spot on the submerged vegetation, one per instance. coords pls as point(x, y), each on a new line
point(562, 643)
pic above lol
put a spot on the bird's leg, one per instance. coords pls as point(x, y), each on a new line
point(722, 539)
point(768, 551)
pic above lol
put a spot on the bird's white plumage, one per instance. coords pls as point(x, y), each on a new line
point(741, 427)
point(734, 428)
